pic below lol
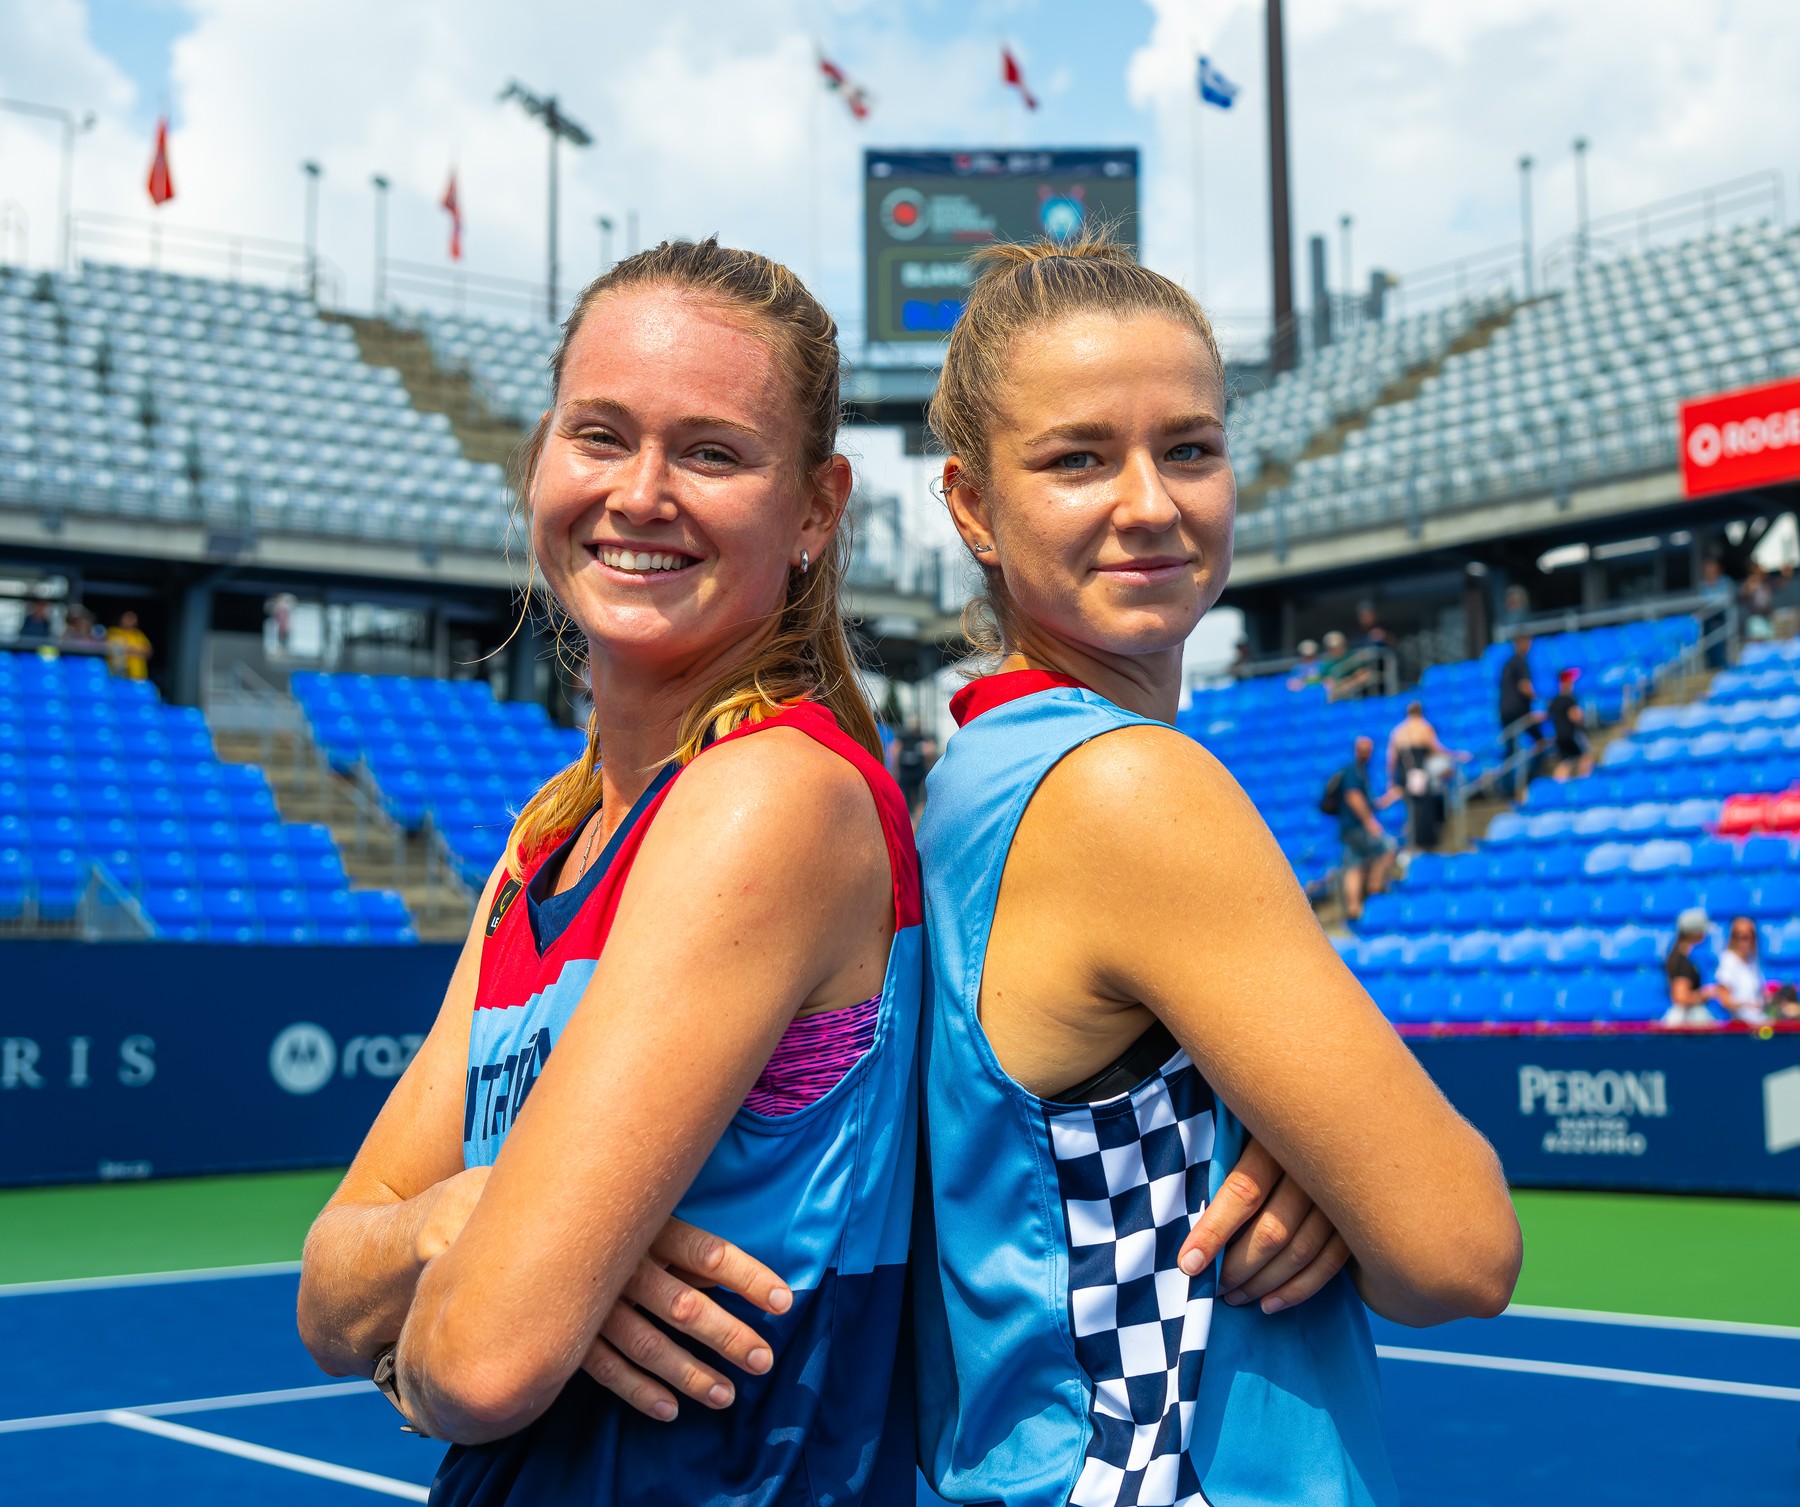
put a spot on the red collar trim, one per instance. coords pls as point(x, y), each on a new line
point(990, 691)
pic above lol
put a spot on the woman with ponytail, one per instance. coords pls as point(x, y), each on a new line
point(692, 986)
point(1118, 952)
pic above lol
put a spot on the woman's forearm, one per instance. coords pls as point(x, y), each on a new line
point(359, 1276)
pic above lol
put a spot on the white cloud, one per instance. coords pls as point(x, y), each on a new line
point(1412, 115)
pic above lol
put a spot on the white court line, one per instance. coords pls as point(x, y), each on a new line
point(187, 1405)
point(1652, 1321)
point(148, 1279)
point(303, 1464)
point(1589, 1373)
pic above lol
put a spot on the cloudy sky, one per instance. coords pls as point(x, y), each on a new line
point(1408, 114)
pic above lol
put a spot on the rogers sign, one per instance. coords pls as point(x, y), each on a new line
point(1741, 439)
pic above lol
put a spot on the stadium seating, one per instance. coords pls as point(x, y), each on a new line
point(145, 394)
point(98, 771)
point(1579, 384)
point(1567, 908)
point(439, 748)
point(1283, 745)
point(509, 364)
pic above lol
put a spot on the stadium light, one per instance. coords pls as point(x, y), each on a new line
point(1525, 217)
point(1345, 221)
point(312, 171)
point(606, 229)
point(72, 126)
point(1581, 202)
point(381, 202)
point(1283, 346)
point(560, 128)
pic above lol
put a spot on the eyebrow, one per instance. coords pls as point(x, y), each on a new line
point(608, 408)
point(1078, 432)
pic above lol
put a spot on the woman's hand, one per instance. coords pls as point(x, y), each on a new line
point(1284, 1250)
point(630, 1352)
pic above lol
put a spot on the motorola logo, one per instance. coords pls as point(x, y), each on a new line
point(303, 1058)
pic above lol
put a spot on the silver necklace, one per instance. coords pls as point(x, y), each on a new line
point(587, 848)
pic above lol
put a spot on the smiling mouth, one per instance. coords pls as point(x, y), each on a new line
point(640, 562)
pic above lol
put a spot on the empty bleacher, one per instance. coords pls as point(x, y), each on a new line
point(1579, 384)
point(441, 750)
point(1566, 910)
point(1283, 745)
point(96, 771)
point(131, 392)
point(509, 364)
point(1338, 381)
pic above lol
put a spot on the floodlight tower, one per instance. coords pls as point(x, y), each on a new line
point(559, 128)
point(1283, 344)
point(73, 125)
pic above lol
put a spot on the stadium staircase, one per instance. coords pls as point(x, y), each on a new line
point(378, 853)
point(436, 387)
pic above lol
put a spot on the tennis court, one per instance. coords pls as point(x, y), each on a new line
point(190, 1385)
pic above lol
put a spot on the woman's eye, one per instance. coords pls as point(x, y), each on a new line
point(712, 455)
point(1189, 453)
point(599, 437)
point(1078, 460)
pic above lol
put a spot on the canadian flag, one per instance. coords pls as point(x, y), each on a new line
point(1012, 73)
point(162, 186)
point(452, 208)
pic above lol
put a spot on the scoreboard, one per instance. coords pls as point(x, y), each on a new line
point(924, 213)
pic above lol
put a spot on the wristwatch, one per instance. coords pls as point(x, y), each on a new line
point(389, 1384)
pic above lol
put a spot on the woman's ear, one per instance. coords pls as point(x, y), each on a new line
point(827, 499)
point(968, 507)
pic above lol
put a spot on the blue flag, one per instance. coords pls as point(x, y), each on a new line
point(1215, 88)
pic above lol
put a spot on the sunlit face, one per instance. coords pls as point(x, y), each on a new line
point(1109, 498)
point(669, 502)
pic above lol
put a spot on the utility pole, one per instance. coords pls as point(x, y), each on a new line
point(72, 126)
point(312, 171)
point(559, 128)
point(1581, 199)
point(381, 205)
point(1525, 219)
point(1282, 344)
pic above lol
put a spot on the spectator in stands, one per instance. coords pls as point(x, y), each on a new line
point(1786, 619)
point(1568, 724)
point(81, 634)
point(37, 627)
point(1743, 989)
point(1419, 765)
point(1515, 608)
point(912, 762)
point(128, 649)
point(1370, 634)
point(1688, 998)
point(1520, 721)
point(1757, 597)
point(1240, 660)
point(1306, 669)
point(1368, 850)
point(1344, 673)
point(1716, 591)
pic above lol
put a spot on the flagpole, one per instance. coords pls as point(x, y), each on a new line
point(1199, 108)
point(813, 132)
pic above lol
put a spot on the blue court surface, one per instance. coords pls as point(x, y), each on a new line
point(192, 1388)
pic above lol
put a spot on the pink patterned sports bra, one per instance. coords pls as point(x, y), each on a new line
point(812, 1057)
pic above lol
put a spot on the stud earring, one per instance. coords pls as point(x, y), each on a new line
point(805, 562)
point(982, 549)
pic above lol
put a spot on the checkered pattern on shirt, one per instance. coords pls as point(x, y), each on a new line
point(1132, 1172)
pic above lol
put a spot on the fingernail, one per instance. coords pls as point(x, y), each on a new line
point(1237, 1299)
point(1191, 1262)
point(720, 1396)
point(1273, 1305)
point(781, 1300)
point(664, 1411)
point(759, 1360)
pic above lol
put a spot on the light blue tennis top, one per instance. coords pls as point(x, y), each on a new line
point(1062, 1356)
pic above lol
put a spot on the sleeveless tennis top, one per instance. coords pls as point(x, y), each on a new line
point(823, 1195)
point(1062, 1355)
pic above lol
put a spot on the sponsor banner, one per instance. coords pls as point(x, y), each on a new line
point(1748, 438)
point(131, 1060)
point(1675, 1112)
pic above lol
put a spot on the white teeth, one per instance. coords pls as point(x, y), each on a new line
point(642, 562)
